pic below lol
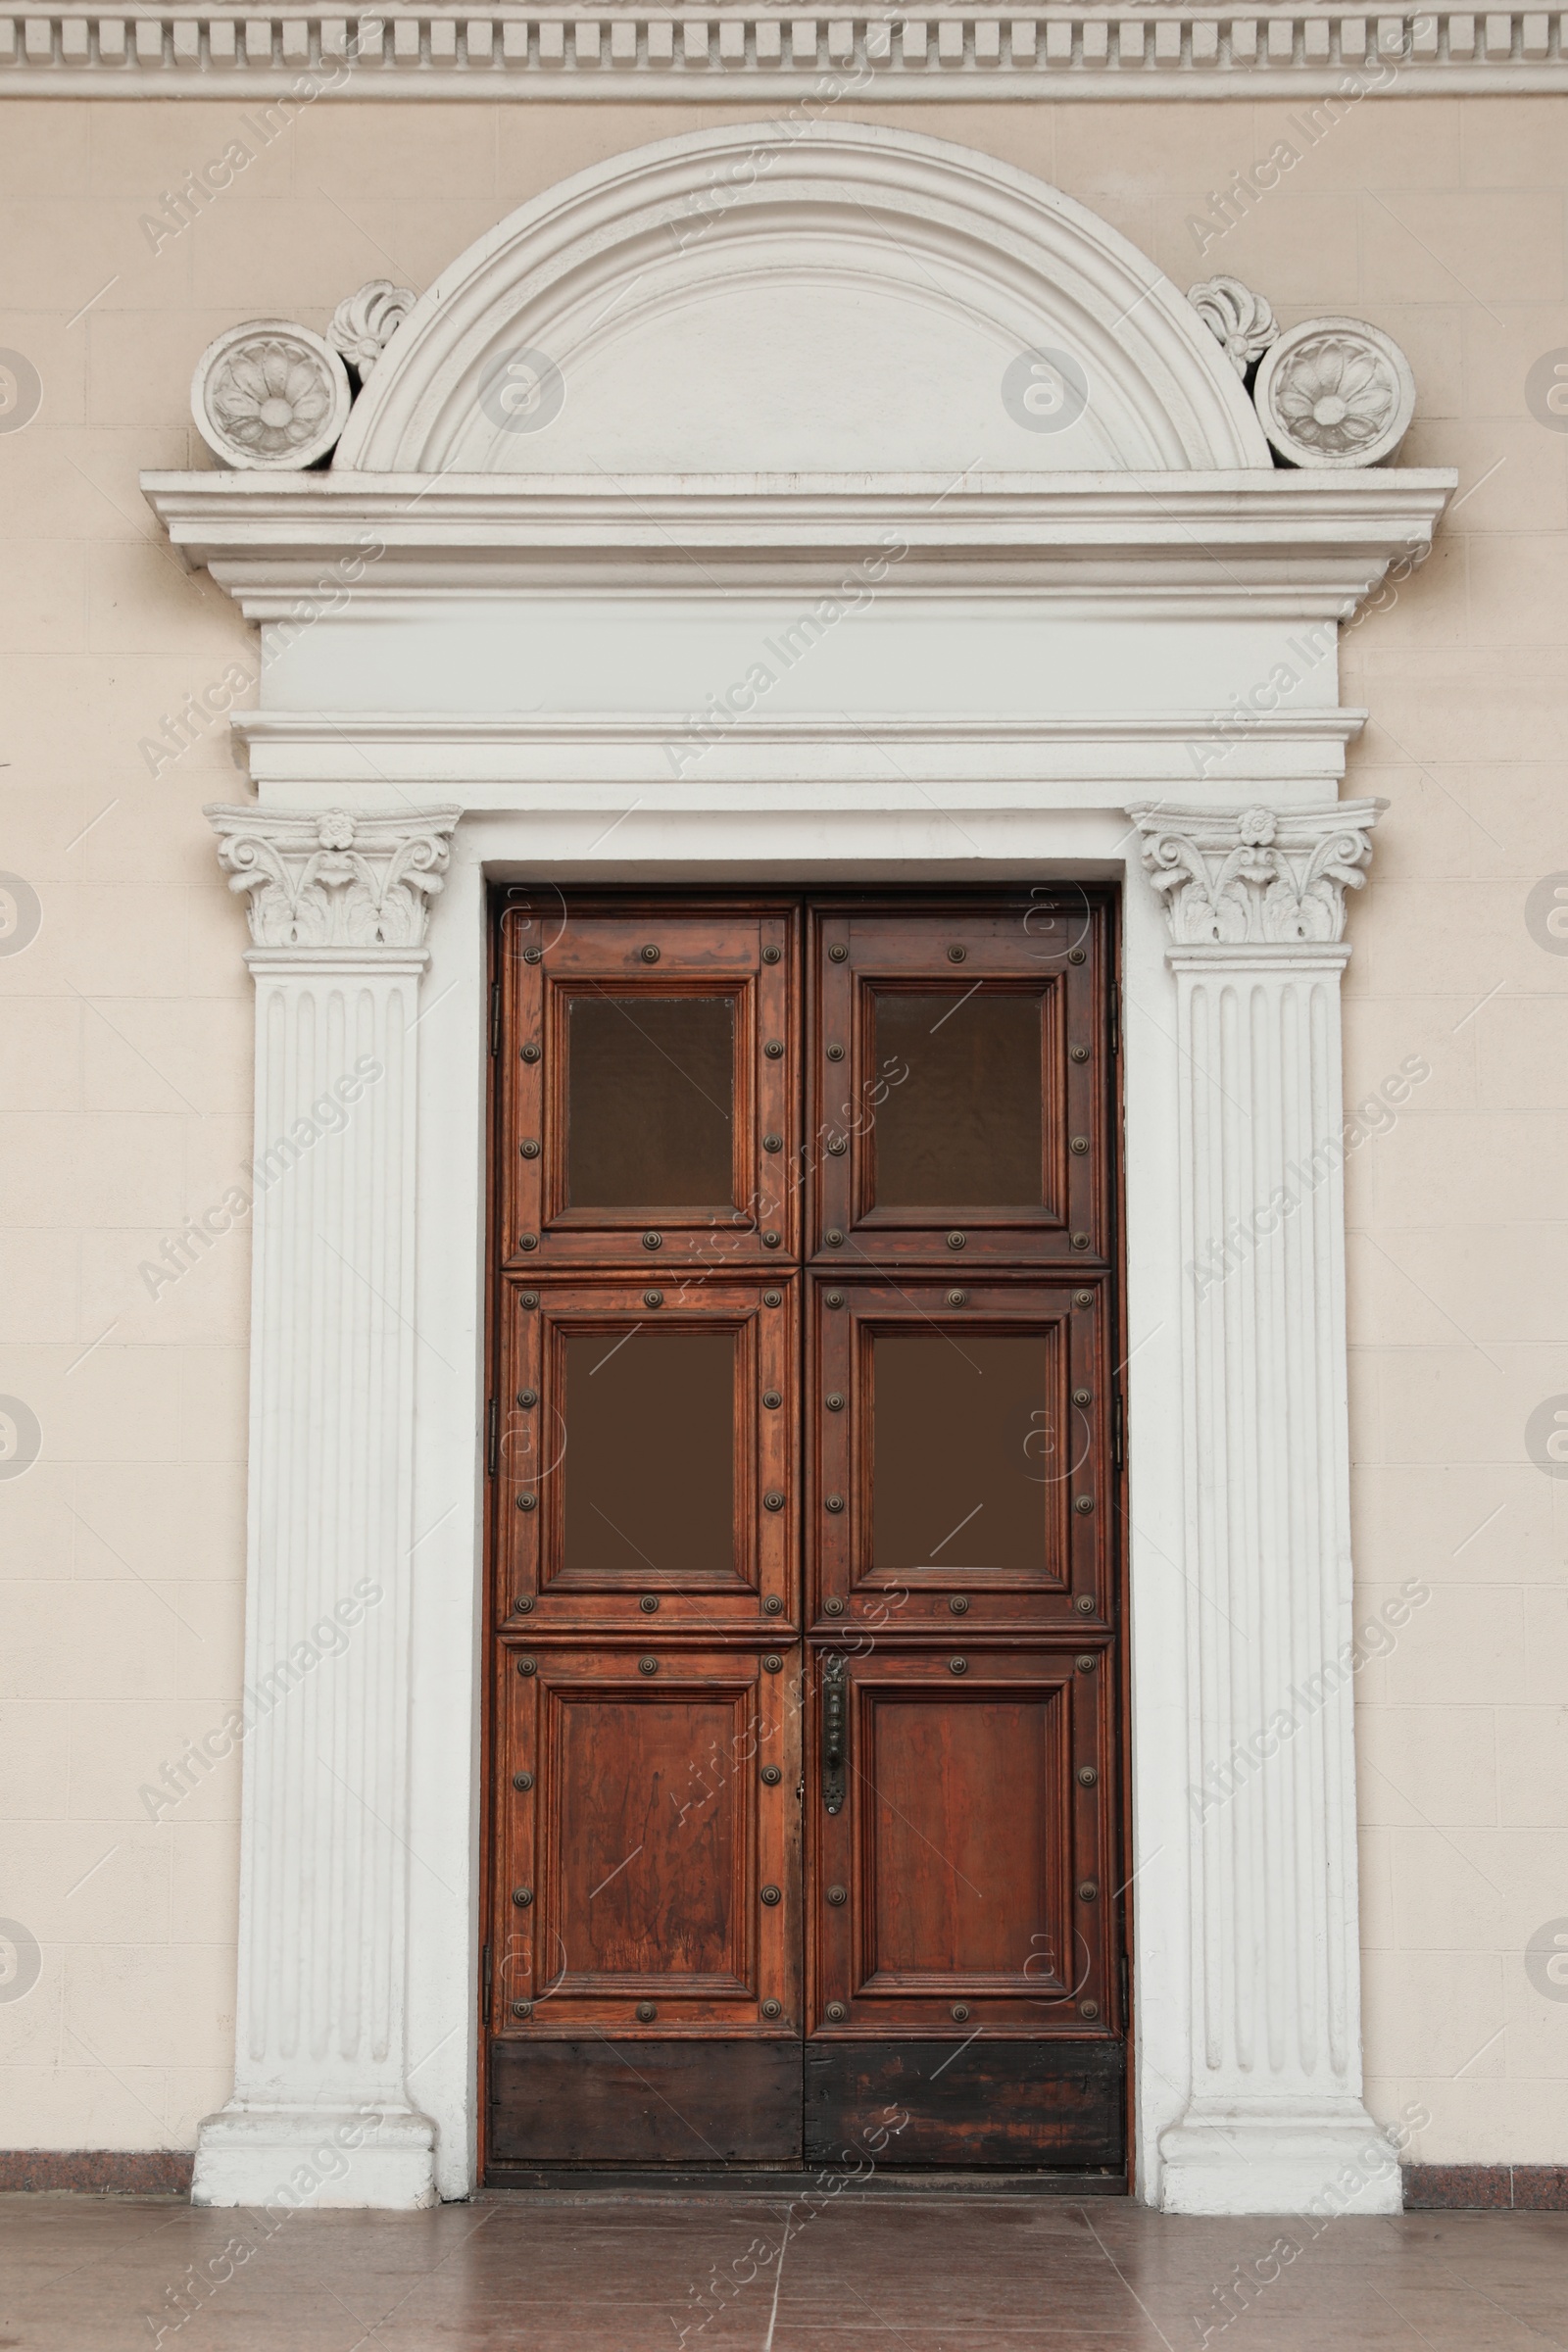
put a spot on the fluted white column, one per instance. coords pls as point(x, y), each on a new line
point(321, 2112)
point(1275, 2121)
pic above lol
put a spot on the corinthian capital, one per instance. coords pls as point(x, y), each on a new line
point(328, 879)
point(1257, 877)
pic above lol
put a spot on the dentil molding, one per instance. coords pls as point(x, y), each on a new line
point(332, 880)
point(1262, 877)
point(199, 49)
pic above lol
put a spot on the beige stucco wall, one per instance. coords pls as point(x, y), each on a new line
point(125, 1044)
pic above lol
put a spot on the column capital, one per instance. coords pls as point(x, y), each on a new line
point(1257, 877)
point(331, 878)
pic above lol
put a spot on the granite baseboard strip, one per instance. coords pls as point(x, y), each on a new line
point(1486, 2188)
point(98, 2171)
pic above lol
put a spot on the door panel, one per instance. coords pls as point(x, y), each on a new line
point(953, 1102)
point(649, 1097)
point(964, 1443)
point(647, 1455)
point(979, 2101)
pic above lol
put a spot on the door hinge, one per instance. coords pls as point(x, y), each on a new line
point(495, 1017)
point(1115, 1021)
point(1118, 1430)
point(486, 1994)
point(1126, 2004)
point(492, 1442)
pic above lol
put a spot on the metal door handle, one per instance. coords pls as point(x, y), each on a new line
point(835, 1733)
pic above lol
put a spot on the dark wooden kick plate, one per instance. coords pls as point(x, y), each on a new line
point(1005, 2103)
point(645, 2102)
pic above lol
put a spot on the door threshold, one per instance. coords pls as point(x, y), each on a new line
point(507, 2181)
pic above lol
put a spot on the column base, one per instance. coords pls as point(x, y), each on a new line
point(308, 2158)
point(1286, 2156)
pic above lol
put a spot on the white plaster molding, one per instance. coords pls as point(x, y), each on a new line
point(270, 395)
point(334, 880)
point(338, 905)
point(1243, 320)
point(1256, 877)
point(199, 49)
point(1335, 392)
point(365, 322)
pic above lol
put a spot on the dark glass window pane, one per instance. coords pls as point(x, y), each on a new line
point(650, 1102)
point(964, 1129)
point(650, 1456)
point(963, 1452)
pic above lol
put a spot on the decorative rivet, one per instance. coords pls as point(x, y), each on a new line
point(771, 1399)
point(832, 1297)
point(771, 955)
point(523, 1604)
point(527, 1502)
point(523, 1897)
point(833, 1401)
point(528, 1241)
point(522, 2008)
point(1084, 1505)
point(959, 1603)
point(956, 954)
point(527, 1666)
point(1085, 1605)
point(529, 1147)
point(833, 1606)
point(833, 1239)
point(838, 953)
point(653, 1240)
point(522, 1781)
point(1083, 1297)
point(770, 1240)
point(832, 1502)
point(649, 1605)
point(772, 2008)
point(774, 1048)
point(1080, 1240)
point(1078, 1053)
point(648, 1665)
point(958, 1241)
point(1088, 1892)
point(1082, 1397)
point(960, 2013)
point(528, 1298)
point(835, 2013)
point(838, 1144)
point(773, 1143)
point(1075, 954)
point(958, 1665)
point(1088, 2008)
point(646, 2011)
point(772, 1500)
point(771, 1775)
point(958, 1297)
point(528, 1399)
point(653, 1297)
point(532, 954)
point(1086, 1661)
point(1087, 1776)
point(772, 1663)
point(1079, 1145)
point(771, 1896)
point(772, 1606)
point(650, 954)
point(838, 1895)
point(530, 1054)
point(835, 1052)
point(772, 1298)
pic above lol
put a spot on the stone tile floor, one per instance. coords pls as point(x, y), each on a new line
point(879, 2272)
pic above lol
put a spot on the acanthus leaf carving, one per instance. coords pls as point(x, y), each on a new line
point(1257, 877)
point(332, 879)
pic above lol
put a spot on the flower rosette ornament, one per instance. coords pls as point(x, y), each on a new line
point(269, 394)
point(1335, 392)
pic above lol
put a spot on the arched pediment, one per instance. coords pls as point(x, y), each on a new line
point(811, 298)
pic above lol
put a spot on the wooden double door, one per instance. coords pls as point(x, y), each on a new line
point(805, 1749)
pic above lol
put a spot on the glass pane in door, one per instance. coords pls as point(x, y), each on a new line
point(649, 1456)
point(962, 1453)
point(650, 1102)
point(962, 1130)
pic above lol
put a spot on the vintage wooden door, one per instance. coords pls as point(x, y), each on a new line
point(804, 1777)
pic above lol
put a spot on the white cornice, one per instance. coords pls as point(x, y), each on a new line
point(1283, 544)
point(80, 49)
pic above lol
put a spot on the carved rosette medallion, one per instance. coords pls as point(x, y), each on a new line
point(328, 879)
point(1257, 877)
point(1240, 320)
point(363, 323)
point(269, 394)
point(1335, 392)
